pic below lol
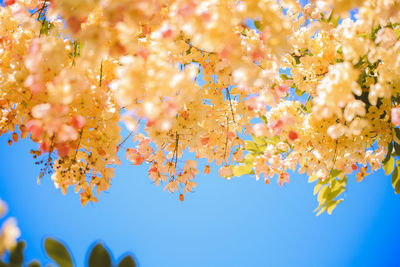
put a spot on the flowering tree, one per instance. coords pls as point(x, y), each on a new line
point(258, 87)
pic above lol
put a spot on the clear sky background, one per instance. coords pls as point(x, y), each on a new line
point(241, 222)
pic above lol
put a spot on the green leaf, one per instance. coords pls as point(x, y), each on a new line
point(46, 27)
point(396, 150)
point(309, 105)
point(335, 173)
point(334, 20)
point(99, 257)
point(338, 60)
point(321, 195)
point(397, 31)
point(397, 131)
point(317, 187)
point(128, 261)
point(299, 92)
point(264, 119)
point(297, 59)
point(285, 77)
point(396, 180)
point(332, 206)
point(242, 170)
point(389, 153)
point(274, 140)
point(251, 146)
point(388, 166)
point(312, 178)
point(249, 159)
point(259, 25)
point(328, 194)
point(58, 252)
point(397, 187)
point(17, 255)
point(260, 141)
point(34, 264)
point(321, 210)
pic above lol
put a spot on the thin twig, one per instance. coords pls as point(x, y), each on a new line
point(176, 148)
point(228, 94)
point(198, 49)
point(79, 144)
point(41, 11)
point(130, 134)
point(101, 74)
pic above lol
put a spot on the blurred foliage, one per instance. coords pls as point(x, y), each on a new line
point(99, 256)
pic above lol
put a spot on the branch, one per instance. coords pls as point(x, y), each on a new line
point(101, 74)
point(130, 134)
point(228, 94)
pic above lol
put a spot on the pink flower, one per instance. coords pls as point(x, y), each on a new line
point(74, 24)
point(205, 16)
point(143, 52)
point(293, 136)
point(40, 111)
point(35, 84)
point(277, 126)
point(44, 146)
point(63, 150)
point(257, 54)
point(167, 33)
point(78, 122)
point(205, 140)
point(134, 156)
point(66, 133)
point(187, 9)
point(9, 2)
point(395, 116)
point(144, 148)
point(386, 37)
point(283, 178)
point(154, 173)
point(260, 129)
point(226, 172)
point(35, 127)
point(283, 89)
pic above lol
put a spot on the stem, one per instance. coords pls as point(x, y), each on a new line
point(101, 74)
point(79, 144)
point(198, 49)
point(42, 20)
point(130, 134)
point(176, 149)
point(228, 94)
point(76, 47)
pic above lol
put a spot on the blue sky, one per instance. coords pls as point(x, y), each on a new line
point(241, 222)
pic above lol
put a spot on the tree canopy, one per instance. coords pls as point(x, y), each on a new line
point(260, 88)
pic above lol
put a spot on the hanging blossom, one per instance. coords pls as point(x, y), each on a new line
point(342, 116)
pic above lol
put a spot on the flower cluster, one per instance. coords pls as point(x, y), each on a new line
point(342, 115)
